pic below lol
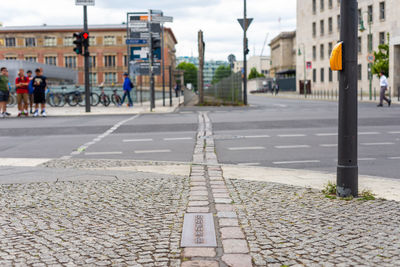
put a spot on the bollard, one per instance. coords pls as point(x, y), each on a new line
point(374, 93)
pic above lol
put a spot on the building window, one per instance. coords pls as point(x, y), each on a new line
point(314, 75)
point(50, 41)
point(330, 75)
point(30, 42)
point(51, 60)
point(330, 47)
point(314, 29)
point(322, 5)
point(109, 61)
point(338, 22)
point(330, 25)
point(370, 14)
point(322, 26)
point(110, 77)
point(314, 52)
point(92, 77)
point(322, 74)
point(10, 42)
point(92, 41)
point(92, 62)
point(382, 10)
point(359, 45)
point(314, 6)
point(330, 4)
point(322, 51)
point(359, 72)
point(382, 38)
point(359, 16)
point(30, 59)
point(11, 58)
point(109, 40)
point(68, 41)
point(70, 62)
point(370, 40)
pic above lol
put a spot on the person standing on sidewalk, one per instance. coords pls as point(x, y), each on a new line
point(128, 85)
point(384, 86)
point(30, 90)
point(4, 92)
point(22, 83)
point(39, 88)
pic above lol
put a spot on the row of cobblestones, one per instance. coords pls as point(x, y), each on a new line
point(287, 225)
point(101, 163)
point(130, 222)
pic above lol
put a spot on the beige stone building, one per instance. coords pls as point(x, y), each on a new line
point(261, 63)
point(318, 30)
point(283, 54)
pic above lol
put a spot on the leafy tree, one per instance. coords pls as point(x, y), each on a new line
point(220, 73)
point(255, 74)
point(190, 74)
point(381, 63)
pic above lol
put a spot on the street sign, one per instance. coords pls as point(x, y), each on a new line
point(143, 68)
point(370, 58)
point(136, 41)
point(139, 35)
point(155, 28)
point(241, 22)
point(138, 24)
point(84, 2)
point(139, 29)
point(162, 19)
point(309, 65)
point(139, 53)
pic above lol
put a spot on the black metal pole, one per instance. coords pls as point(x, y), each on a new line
point(86, 55)
point(162, 60)
point(244, 55)
point(347, 169)
point(170, 86)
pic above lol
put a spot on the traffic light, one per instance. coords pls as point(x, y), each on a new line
point(78, 42)
point(85, 38)
point(155, 43)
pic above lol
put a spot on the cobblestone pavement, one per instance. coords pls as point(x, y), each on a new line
point(129, 222)
point(287, 225)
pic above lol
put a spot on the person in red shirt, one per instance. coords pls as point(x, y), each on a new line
point(21, 83)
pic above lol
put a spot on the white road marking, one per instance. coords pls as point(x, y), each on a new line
point(378, 144)
point(137, 140)
point(280, 105)
point(249, 164)
point(366, 159)
point(328, 145)
point(103, 153)
point(246, 148)
point(152, 151)
point(326, 134)
point(292, 135)
point(368, 133)
point(22, 162)
point(295, 162)
point(394, 132)
point(186, 112)
point(256, 136)
point(178, 138)
point(394, 158)
point(297, 146)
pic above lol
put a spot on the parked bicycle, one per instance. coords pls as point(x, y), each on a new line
point(116, 98)
point(103, 98)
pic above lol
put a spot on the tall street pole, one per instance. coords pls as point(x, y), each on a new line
point(347, 169)
point(244, 55)
point(369, 64)
point(163, 63)
point(86, 55)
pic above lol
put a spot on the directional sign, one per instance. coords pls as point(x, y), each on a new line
point(162, 19)
point(139, 29)
point(139, 53)
point(138, 24)
point(241, 22)
point(84, 2)
point(136, 41)
point(143, 68)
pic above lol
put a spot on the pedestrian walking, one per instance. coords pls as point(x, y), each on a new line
point(30, 90)
point(276, 88)
point(384, 86)
point(4, 92)
point(39, 88)
point(128, 85)
point(177, 89)
point(21, 84)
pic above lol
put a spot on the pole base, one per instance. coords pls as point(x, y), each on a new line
point(347, 181)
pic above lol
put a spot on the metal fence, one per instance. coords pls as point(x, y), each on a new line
point(226, 91)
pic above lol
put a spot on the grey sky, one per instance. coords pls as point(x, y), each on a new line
point(217, 18)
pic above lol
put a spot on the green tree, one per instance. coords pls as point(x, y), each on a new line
point(255, 74)
point(190, 74)
point(220, 73)
point(381, 63)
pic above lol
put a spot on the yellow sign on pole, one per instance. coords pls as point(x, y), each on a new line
point(336, 60)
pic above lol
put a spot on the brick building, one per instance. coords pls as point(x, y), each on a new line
point(53, 45)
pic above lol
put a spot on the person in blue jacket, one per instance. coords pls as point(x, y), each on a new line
point(127, 90)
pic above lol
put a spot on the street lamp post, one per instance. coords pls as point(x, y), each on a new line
point(362, 29)
point(305, 68)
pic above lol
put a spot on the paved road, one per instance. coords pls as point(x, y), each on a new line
point(271, 132)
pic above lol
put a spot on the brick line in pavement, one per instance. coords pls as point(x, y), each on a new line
point(209, 193)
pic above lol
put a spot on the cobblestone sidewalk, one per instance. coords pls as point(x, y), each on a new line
point(130, 222)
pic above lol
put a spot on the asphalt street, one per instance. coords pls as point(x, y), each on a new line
point(273, 132)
